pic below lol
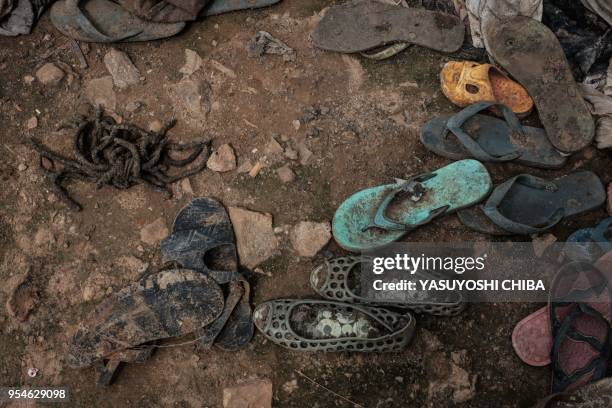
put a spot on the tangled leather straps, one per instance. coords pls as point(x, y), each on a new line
point(119, 155)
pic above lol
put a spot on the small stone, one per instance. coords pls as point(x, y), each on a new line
point(32, 123)
point(255, 170)
point(253, 394)
point(156, 126)
point(296, 124)
point(193, 62)
point(255, 237)
point(541, 242)
point(273, 147)
point(99, 92)
point(291, 154)
point(153, 233)
point(285, 174)
point(121, 68)
point(290, 386)
point(191, 99)
point(223, 159)
point(133, 106)
point(245, 167)
point(28, 79)
point(22, 167)
point(305, 154)
point(308, 238)
point(50, 74)
point(88, 293)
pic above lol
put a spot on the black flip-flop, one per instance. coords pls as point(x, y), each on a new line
point(526, 205)
point(531, 53)
point(202, 239)
point(468, 135)
point(362, 26)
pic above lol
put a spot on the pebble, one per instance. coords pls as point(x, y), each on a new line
point(28, 79)
point(121, 68)
point(22, 167)
point(308, 238)
point(50, 74)
point(223, 159)
point(193, 62)
point(296, 124)
point(285, 174)
point(32, 123)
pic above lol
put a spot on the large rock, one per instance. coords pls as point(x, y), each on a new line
point(255, 237)
point(99, 92)
point(191, 99)
point(123, 71)
point(50, 74)
point(308, 238)
point(154, 232)
point(223, 159)
point(251, 394)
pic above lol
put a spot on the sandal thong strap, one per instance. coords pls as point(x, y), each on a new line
point(454, 126)
point(408, 186)
point(491, 208)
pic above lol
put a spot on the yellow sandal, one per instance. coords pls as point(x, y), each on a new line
point(467, 82)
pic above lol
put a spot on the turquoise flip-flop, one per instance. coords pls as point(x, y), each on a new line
point(377, 216)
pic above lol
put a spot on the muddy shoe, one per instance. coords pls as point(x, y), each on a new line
point(203, 240)
point(363, 26)
point(168, 304)
point(317, 325)
point(531, 53)
point(341, 279)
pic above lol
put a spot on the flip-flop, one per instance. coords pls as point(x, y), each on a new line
point(532, 338)
point(378, 216)
point(225, 6)
point(531, 53)
point(526, 205)
point(202, 239)
point(588, 244)
point(340, 279)
point(466, 82)
point(168, 304)
point(470, 135)
point(105, 21)
point(319, 325)
point(358, 27)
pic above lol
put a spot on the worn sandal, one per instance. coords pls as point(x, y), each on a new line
point(526, 205)
point(531, 53)
point(588, 244)
point(339, 279)
point(378, 216)
point(318, 325)
point(104, 21)
point(465, 83)
point(362, 26)
point(202, 239)
point(470, 135)
point(225, 6)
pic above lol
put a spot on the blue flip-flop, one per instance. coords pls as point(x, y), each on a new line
point(589, 244)
point(377, 216)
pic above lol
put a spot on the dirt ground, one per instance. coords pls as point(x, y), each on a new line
point(366, 134)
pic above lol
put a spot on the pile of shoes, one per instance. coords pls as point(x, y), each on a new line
point(203, 296)
point(107, 21)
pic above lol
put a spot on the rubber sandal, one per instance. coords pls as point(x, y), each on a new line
point(588, 244)
point(581, 317)
point(202, 239)
point(526, 205)
point(358, 27)
point(168, 304)
point(225, 6)
point(104, 21)
point(339, 280)
point(465, 83)
point(318, 325)
point(386, 52)
point(470, 135)
point(378, 216)
point(532, 338)
point(531, 53)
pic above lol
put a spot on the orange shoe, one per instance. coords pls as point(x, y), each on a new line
point(467, 82)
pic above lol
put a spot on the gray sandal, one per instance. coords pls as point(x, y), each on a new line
point(332, 281)
point(319, 325)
